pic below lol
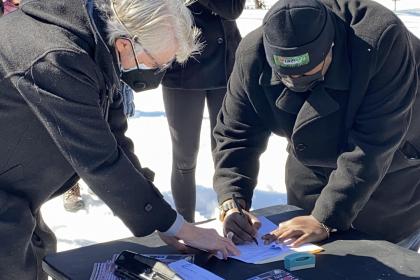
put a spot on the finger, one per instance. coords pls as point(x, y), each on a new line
point(248, 226)
point(241, 233)
point(255, 222)
point(247, 232)
point(289, 241)
point(278, 231)
point(230, 225)
point(224, 252)
point(232, 249)
point(290, 233)
point(181, 247)
point(236, 238)
point(226, 246)
point(244, 223)
point(176, 244)
point(301, 240)
point(228, 241)
point(230, 235)
point(273, 235)
point(268, 238)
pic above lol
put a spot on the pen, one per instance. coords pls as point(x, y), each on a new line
point(239, 207)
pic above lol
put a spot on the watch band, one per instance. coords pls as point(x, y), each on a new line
point(226, 206)
point(328, 230)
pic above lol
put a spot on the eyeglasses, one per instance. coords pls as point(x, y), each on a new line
point(156, 65)
point(134, 39)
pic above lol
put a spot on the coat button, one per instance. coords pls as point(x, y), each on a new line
point(220, 40)
point(148, 207)
point(300, 147)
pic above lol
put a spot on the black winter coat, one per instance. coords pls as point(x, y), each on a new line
point(354, 141)
point(210, 69)
point(60, 118)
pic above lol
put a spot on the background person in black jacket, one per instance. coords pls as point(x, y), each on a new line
point(186, 88)
point(340, 80)
point(62, 118)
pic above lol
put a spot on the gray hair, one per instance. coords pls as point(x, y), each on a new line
point(156, 23)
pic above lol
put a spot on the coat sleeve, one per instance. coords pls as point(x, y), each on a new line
point(241, 137)
point(117, 120)
point(118, 125)
point(227, 9)
point(379, 127)
point(63, 90)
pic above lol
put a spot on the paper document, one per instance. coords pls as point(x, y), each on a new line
point(258, 254)
point(187, 270)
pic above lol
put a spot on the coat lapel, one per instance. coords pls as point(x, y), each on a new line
point(290, 101)
point(318, 105)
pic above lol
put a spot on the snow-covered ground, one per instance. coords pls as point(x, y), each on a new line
point(150, 133)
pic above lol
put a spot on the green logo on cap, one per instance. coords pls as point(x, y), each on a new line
point(292, 61)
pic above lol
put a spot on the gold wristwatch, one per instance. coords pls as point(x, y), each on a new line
point(228, 205)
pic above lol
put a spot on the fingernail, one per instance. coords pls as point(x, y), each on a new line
point(229, 235)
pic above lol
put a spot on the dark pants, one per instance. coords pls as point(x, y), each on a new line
point(24, 240)
point(184, 111)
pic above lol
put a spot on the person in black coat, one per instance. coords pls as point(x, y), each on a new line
point(187, 87)
point(61, 118)
point(340, 80)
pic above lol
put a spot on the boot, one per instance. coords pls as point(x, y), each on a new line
point(72, 200)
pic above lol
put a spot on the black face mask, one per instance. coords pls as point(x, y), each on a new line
point(142, 79)
point(308, 82)
point(302, 83)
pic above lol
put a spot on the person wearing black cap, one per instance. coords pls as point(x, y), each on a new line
point(339, 80)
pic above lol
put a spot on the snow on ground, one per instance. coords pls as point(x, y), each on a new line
point(150, 133)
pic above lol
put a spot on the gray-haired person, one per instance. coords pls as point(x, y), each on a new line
point(62, 118)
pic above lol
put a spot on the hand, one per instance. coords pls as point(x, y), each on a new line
point(300, 230)
point(174, 242)
point(241, 229)
point(201, 238)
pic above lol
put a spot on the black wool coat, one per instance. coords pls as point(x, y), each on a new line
point(354, 141)
point(60, 118)
point(220, 35)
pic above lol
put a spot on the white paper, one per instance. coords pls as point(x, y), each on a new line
point(261, 253)
point(187, 270)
